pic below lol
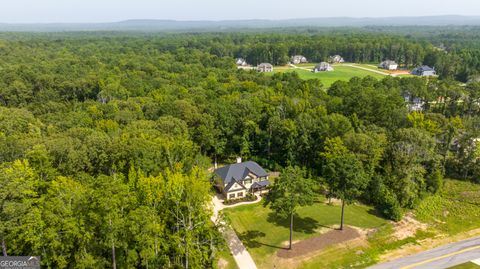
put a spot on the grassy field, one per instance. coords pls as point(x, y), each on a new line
point(263, 233)
point(453, 210)
point(344, 73)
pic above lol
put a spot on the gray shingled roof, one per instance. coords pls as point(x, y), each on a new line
point(238, 171)
point(265, 64)
point(262, 183)
point(425, 68)
point(322, 65)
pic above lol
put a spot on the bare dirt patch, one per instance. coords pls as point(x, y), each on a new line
point(319, 242)
point(400, 72)
point(407, 227)
point(333, 201)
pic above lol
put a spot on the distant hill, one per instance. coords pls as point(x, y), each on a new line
point(171, 25)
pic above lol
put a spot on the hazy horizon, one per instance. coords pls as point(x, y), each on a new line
point(91, 11)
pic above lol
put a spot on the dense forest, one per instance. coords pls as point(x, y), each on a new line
point(105, 140)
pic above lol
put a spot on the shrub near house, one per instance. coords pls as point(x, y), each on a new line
point(236, 180)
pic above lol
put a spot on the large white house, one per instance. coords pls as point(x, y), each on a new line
point(265, 67)
point(424, 71)
point(322, 67)
point(388, 65)
point(298, 59)
point(336, 59)
point(241, 62)
point(236, 180)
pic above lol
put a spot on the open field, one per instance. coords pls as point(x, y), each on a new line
point(264, 234)
point(401, 73)
point(455, 209)
point(341, 72)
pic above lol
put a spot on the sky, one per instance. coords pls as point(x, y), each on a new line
point(70, 11)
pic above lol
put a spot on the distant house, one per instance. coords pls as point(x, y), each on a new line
point(322, 67)
point(424, 71)
point(388, 65)
point(413, 103)
point(336, 59)
point(236, 180)
point(241, 62)
point(298, 59)
point(265, 67)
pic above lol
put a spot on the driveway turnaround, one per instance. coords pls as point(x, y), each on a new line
point(238, 250)
point(438, 258)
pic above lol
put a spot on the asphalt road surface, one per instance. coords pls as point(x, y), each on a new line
point(438, 258)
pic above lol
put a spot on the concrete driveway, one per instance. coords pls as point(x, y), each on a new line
point(238, 250)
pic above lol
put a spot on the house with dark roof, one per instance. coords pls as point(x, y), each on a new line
point(424, 71)
point(388, 65)
point(265, 67)
point(241, 62)
point(336, 59)
point(236, 180)
point(322, 67)
point(298, 59)
point(413, 103)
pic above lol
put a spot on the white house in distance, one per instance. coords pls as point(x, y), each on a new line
point(265, 67)
point(298, 59)
point(413, 103)
point(241, 62)
point(336, 59)
point(424, 71)
point(322, 67)
point(236, 180)
point(388, 65)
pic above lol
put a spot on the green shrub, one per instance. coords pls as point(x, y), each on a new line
point(248, 198)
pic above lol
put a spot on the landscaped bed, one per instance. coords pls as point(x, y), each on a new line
point(248, 198)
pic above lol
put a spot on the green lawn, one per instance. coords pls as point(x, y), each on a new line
point(227, 261)
point(344, 73)
point(468, 265)
point(453, 210)
point(263, 233)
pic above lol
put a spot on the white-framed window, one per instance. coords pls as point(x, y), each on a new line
point(231, 196)
point(240, 194)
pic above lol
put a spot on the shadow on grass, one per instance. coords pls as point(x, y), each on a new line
point(305, 225)
point(250, 239)
point(375, 213)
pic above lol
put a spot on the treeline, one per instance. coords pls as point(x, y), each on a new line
point(104, 142)
point(458, 61)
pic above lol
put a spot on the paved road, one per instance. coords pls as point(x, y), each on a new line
point(238, 250)
point(438, 258)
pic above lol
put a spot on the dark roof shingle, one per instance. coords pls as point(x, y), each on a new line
point(238, 171)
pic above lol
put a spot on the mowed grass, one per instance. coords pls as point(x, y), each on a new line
point(263, 233)
point(341, 72)
point(225, 260)
point(455, 209)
